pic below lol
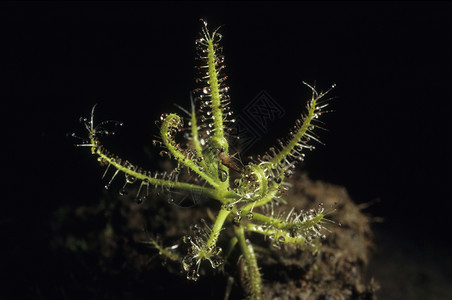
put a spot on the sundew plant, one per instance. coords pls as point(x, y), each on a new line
point(246, 193)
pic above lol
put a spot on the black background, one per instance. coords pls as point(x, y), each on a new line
point(389, 135)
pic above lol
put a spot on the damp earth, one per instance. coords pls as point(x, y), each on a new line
point(106, 253)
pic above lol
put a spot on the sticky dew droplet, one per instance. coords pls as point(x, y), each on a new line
point(217, 261)
point(186, 239)
point(222, 175)
point(193, 275)
point(229, 206)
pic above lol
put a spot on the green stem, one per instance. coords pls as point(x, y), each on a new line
point(301, 132)
point(216, 229)
point(281, 224)
point(217, 112)
point(276, 234)
point(171, 121)
point(195, 137)
point(268, 220)
point(163, 251)
point(155, 181)
point(251, 268)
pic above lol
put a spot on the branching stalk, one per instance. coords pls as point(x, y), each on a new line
point(205, 159)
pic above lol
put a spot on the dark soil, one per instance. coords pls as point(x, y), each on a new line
point(101, 253)
point(337, 271)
